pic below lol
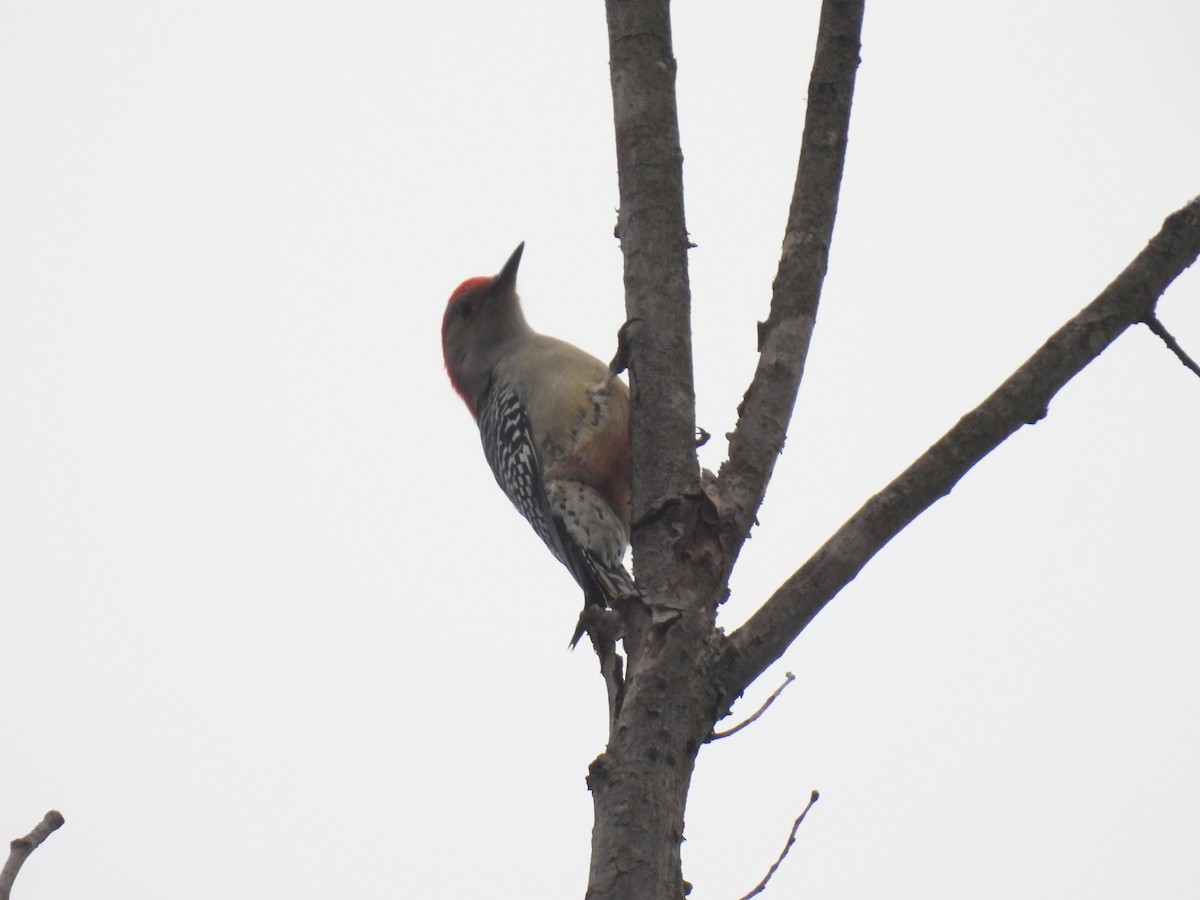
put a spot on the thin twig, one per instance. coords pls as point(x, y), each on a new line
point(1158, 328)
point(20, 849)
point(788, 846)
point(717, 735)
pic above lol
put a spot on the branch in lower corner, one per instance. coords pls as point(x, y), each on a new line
point(21, 848)
point(761, 886)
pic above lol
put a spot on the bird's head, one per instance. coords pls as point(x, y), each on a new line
point(483, 318)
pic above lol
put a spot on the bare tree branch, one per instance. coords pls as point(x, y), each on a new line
point(654, 244)
point(21, 848)
point(717, 735)
point(1022, 399)
point(1153, 323)
point(783, 339)
point(761, 886)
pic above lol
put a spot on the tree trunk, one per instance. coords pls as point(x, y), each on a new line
point(677, 683)
point(640, 783)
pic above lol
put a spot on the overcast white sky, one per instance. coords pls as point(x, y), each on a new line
point(267, 626)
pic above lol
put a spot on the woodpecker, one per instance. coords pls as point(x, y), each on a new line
point(554, 422)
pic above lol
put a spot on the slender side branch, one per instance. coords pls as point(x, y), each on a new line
point(762, 885)
point(784, 338)
point(717, 735)
point(1153, 323)
point(21, 848)
point(1022, 399)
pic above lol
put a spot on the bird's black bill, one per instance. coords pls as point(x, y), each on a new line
point(508, 275)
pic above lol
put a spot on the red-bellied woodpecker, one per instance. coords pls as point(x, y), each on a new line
point(554, 421)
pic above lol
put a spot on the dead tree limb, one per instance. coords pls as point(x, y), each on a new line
point(762, 885)
point(22, 847)
point(1021, 400)
point(783, 340)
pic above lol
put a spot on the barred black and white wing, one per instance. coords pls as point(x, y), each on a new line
point(510, 451)
point(580, 528)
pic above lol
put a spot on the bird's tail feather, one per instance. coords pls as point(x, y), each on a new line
point(604, 586)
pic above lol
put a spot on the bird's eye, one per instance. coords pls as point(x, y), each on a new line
point(464, 310)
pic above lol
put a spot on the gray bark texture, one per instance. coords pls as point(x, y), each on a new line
point(683, 673)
